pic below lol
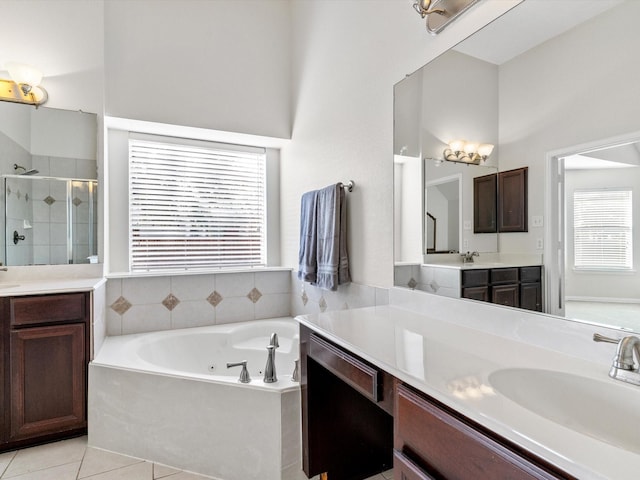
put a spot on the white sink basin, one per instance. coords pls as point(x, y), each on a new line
point(603, 410)
point(8, 285)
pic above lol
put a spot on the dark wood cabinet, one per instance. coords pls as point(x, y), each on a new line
point(347, 422)
point(433, 442)
point(46, 351)
point(500, 202)
point(519, 287)
point(484, 204)
point(512, 200)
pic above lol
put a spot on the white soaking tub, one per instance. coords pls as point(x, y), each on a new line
point(168, 397)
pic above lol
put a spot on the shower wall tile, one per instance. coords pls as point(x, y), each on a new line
point(62, 167)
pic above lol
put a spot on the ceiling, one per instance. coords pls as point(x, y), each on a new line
point(536, 21)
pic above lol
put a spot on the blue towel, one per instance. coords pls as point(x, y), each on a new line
point(333, 261)
point(307, 261)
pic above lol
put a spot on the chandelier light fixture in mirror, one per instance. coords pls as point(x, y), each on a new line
point(23, 86)
point(461, 151)
point(440, 13)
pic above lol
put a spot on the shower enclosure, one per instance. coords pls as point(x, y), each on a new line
point(49, 220)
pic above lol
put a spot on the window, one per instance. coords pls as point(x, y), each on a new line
point(603, 229)
point(195, 205)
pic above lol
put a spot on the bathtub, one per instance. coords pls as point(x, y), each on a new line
point(168, 397)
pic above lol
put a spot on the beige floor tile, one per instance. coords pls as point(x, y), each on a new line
point(45, 456)
point(138, 471)
point(161, 471)
point(186, 476)
point(5, 459)
point(377, 477)
point(388, 475)
point(68, 471)
point(99, 461)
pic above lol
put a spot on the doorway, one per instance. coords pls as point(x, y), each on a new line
point(592, 243)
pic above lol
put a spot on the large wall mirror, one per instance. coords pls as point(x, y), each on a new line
point(49, 187)
point(555, 91)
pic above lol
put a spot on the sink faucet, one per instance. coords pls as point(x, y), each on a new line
point(270, 369)
point(468, 257)
point(3, 268)
point(624, 367)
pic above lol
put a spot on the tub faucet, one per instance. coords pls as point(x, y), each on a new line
point(624, 367)
point(270, 369)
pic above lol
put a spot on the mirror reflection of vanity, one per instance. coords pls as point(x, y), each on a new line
point(49, 170)
point(566, 92)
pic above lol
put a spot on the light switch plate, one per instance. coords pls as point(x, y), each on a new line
point(467, 225)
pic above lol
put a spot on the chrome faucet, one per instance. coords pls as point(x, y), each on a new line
point(3, 268)
point(244, 373)
point(270, 369)
point(468, 257)
point(624, 367)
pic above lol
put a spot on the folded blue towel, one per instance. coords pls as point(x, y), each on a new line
point(307, 261)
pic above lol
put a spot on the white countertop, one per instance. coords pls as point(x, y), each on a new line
point(50, 285)
point(451, 361)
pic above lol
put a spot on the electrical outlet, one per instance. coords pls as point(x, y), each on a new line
point(539, 244)
point(465, 244)
point(536, 221)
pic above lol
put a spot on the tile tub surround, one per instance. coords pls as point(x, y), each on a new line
point(307, 298)
point(150, 303)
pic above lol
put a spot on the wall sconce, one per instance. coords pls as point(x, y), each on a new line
point(467, 152)
point(23, 86)
point(441, 13)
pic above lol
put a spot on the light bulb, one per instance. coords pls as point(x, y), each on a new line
point(471, 148)
point(485, 150)
point(24, 74)
point(457, 145)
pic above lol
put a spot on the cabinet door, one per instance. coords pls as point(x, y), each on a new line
point(508, 295)
point(512, 200)
point(48, 380)
point(484, 204)
point(531, 296)
point(476, 293)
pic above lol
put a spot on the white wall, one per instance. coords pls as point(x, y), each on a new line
point(577, 88)
point(347, 56)
point(221, 64)
point(64, 39)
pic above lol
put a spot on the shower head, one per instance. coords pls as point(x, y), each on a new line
point(33, 171)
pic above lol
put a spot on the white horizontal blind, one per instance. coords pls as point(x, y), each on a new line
point(194, 206)
point(603, 223)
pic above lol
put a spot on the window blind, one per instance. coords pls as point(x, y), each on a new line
point(603, 224)
point(194, 206)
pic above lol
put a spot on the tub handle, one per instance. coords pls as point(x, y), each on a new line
point(244, 373)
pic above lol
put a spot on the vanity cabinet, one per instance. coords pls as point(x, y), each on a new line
point(45, 355)
point(514, 286)
point(433, 442)
point(347, 408)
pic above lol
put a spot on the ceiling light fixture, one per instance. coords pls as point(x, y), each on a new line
point(473, 153)
point(23, 87)
point(441, 13)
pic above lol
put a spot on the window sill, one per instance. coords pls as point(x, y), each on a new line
point(180, 273)
point(602, 271)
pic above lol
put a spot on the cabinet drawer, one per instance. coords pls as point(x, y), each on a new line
point(530, 274)
point(451, 448)
point(475, 278)
point(504, 275)
point(405, 469)
point(347, 367)
point(68, 307)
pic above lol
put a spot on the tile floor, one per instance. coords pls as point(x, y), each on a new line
point(73, 460)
